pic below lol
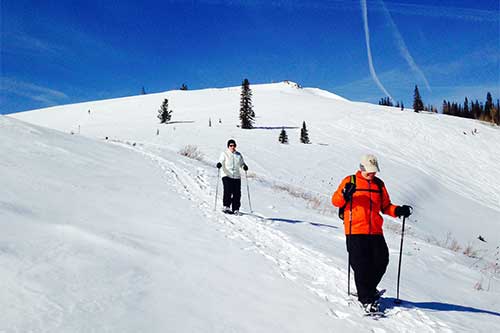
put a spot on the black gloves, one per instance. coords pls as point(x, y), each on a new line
point(245, 167)
point(404, 211)
point(219, 165)
point(348, 191)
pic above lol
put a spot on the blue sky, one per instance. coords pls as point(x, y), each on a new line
point(61, 52)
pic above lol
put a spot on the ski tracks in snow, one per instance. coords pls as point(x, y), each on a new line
point(295, 262)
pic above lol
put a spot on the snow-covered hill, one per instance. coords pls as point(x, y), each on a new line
point(120, 234)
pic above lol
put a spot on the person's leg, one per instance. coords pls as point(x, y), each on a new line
point(236, 201)
point(359, 250)
point(380, 255)
point(226, 198)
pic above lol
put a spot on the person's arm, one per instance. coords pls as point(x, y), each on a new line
point(387, 207)
point(338, 199)
point(242, 163)
point(221, 160)
point(393, 210)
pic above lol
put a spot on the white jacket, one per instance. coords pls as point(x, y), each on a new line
point(231, 164)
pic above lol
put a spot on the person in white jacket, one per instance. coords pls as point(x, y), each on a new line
point(230, 162)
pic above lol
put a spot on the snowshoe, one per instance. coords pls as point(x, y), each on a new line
point(373, 310)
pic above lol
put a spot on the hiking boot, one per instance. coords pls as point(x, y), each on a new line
point(226, 210)
point(236, 212)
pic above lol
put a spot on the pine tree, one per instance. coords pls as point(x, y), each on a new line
point(482, 113)
point(247, 114)
point(494, 114)
point(143, 91)
point(164, 114)
point(488, 104)
point(304, 135)
point(466, 108)
point(477, 110)
point(184, 87)
point(402, 106)
point(418, 105)
point(498, 112)
point(283, 138)
point(445, 107)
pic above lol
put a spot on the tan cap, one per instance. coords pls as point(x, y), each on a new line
point(369, 163)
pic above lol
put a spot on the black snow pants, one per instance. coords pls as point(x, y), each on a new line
point(232, 193)
point(369, 257)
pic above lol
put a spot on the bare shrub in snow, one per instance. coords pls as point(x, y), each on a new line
point(455, 246)
point(316, 202)
point(469, 251)
point(478, 285)
point(191, 151)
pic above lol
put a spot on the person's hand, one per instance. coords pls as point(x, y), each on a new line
point(403, 211)
point(348, 191)
point(245, 167)
point(219, 165)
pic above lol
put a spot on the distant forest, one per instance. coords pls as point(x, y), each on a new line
point(486, 111)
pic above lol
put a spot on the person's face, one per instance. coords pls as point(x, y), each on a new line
point(232, 147)
point(368, 175)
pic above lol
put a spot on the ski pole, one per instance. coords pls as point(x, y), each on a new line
point(349, 252)
point(248, 191)
point(397, 300)
point(217, 189)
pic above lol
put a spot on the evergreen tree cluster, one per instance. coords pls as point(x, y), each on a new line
point(386, 101)
point(184, 87)
point(474, 109)
point(247, 114)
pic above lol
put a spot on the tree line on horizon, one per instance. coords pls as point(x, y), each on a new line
point(488, 111)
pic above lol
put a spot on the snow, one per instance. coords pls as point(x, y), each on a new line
point(120, 234)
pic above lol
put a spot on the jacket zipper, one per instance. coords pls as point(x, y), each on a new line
point(370, 218)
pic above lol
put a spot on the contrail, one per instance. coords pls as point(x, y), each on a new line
point(403, 48)
point(368, 49)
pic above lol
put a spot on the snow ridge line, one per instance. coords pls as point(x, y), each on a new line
point(304, 266)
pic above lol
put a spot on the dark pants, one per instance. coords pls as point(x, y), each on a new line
point(232, 193)
point(369, 258)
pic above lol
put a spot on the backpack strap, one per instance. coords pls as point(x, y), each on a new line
point(380, 185)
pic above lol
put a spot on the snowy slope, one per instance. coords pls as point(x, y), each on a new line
point(94, 239)
point(430, 161)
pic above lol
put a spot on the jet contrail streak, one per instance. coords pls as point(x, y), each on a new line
point(368, 49)
point(403, 49)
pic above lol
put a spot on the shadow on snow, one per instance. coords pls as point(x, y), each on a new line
point(180, 122)
point(277, 219)
point(388, 303)
point(275, 127)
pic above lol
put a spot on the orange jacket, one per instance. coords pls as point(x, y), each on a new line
point(367, 202)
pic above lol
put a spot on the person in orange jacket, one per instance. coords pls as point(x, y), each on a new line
point(362, 197)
